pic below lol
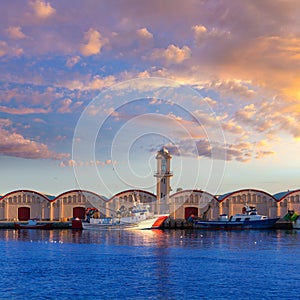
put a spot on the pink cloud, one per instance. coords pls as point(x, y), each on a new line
point(15, 32)
point(7, 50)
point(24, 110)
point(15, 145)
point(65, 106)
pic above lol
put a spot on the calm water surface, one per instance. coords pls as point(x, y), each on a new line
point(66, 264)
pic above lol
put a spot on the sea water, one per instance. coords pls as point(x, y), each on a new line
point(128, 264)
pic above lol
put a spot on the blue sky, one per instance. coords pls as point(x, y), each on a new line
point(90, 90)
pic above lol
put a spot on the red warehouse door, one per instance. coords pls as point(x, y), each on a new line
point(23, 213)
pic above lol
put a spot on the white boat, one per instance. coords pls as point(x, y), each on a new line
point(137, 217)
point(296, 223)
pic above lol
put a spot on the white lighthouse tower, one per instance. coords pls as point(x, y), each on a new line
point(163, 176)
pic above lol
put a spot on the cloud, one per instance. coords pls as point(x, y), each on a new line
point(94, 42)
point(145, 34)
point(201, 34)
point(72, 61)
point(15, 32)
point(233, 127)
point(65, 106)
point(5, 49)
point(42, 9)
point(95, 83)
point(24, 110)
point(172, 55)
point(73, 163)
point(232, 88)
point(15, 145)
point(241, 152)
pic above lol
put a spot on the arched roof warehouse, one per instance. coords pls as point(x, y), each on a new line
point(188, 193)
point(288, 200)
point(25, 191)
point(192, 202)
point(233, 202)
point(82, 192)
point(145, 196)
point(282, 195)
point(133, 191)
point(244, 192)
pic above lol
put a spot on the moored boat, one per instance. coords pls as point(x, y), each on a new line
point(249, 219)
point(33, 224)
point(293, 218)
point(296, 223)
point(137, 217)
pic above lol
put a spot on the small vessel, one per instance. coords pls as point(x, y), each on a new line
point(248, 219)
point(296, 223)
point(293, 218)
point(137, 217)
point(33, 224)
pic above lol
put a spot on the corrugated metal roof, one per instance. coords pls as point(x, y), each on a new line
point(50, 197)
point(221, 197)
point(279, 195)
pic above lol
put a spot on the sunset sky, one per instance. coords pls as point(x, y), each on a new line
point(90, 90)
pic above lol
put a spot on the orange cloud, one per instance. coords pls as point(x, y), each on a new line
point(42, 9)
point(144, 33)
point(172, 55)
point(94, 43)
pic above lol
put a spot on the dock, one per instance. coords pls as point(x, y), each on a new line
point(55, 224)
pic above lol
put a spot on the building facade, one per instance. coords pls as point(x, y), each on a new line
point(21, 205)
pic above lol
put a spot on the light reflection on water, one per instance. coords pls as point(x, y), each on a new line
point(263, 239)
point(171, 264)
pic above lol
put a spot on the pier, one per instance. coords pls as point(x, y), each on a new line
point(55, 224)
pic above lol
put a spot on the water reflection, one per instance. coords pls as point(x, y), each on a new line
point(170, 264)
point(161, 239)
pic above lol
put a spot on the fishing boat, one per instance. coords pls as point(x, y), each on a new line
point(137, 217)
point(248, 219)
point(33, 224)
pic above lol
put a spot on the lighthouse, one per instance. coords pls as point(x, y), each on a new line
point(163, 176)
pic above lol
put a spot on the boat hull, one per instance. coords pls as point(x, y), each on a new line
point(155, 222)
point(152, 223)
point(236, 225)
point(39, 226)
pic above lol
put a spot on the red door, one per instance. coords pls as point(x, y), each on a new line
point(23, 213)
point(79, 212)
point(190, 211)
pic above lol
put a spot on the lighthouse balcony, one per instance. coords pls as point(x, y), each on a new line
point(163, 174)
